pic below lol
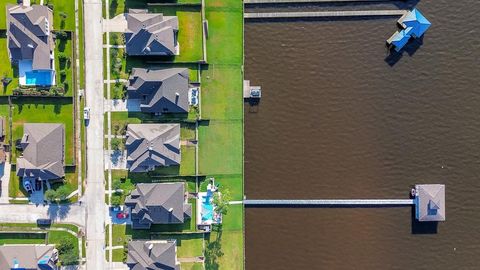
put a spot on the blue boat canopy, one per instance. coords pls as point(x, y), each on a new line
point(417, 21)
point(414, 25)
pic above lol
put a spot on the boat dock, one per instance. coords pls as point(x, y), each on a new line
point(346, 202)
point(325, 14)
point(303, 1)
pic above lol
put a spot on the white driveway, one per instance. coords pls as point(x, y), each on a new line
point(120, 105)
point(95, 188)
point(118, 159)
point(117, 24)
point(29, 213)
point(5, 178)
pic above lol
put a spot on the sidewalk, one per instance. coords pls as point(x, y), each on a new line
point(5, 178)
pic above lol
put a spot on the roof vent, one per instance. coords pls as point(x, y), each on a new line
point(30, 46)
point(170, 210)
point(150, 247)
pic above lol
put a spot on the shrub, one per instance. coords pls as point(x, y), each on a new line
point(62, 192)
point(116, 200)
point(63, 15)
point(62, 35)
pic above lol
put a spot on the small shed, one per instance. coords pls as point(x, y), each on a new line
point(430, 202)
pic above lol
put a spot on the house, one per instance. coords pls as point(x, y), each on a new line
point(28, 257)
point(43, 152)
point(30, 43)
point(160, 91)
point(430, 202)
point(152, 145)
point(151, 33)
point(160, 203)
point(152, 255)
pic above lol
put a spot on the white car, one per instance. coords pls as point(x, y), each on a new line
point(27, 185)
point(86, 113)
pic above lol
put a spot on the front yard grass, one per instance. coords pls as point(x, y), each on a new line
point(43, 110)
point(68, 9)
point(6, 68)
point(191, 266)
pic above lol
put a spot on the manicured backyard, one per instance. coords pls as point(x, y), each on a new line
point(6, 68)
point(64, 69)
point(44, 110)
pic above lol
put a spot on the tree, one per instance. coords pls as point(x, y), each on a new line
point(115, 143)
point(116, 184)
point(65, 249)
point(62, 35)
point(50, 195)
point(63, 15)
point(221, 201)
point(62, 192)
point(116, 200)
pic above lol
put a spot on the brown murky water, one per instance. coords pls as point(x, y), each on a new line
point(338, 121)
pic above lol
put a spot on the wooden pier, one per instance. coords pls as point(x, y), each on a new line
point(320, 14)
point(346, 202)
point(303, 1)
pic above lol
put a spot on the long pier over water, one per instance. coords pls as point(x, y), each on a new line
point(318, 14)
point(303, 1)
point(334, 202)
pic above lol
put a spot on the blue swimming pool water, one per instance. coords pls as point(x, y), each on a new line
point(38, 78)
point(207, 209)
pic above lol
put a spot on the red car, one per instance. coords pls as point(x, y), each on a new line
point(122, 215)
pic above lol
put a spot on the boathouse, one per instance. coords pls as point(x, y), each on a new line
point(430, 202)
point(413, 25)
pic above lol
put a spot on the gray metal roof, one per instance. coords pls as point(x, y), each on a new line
point(152, 255)
point(25, 256)
point(160, 91)
point(160, 203)
point(430, 204)
point(29, 35)
point(150, 33)
point(43, 151)
point(152, 145)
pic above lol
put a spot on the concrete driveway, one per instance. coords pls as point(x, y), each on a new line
point(117, 24)
point(5, 178)
point(120, 105)
point(29, 213)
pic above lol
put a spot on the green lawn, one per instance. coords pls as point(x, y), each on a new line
point(44, 110)
point(67, 7)
point(192, 266)
point(190, 35)
point(6, 68)
point(221, 138)
point(22, 238)
point(5, 113)
point(3, 13)
point(64, 47)
point(188, 245)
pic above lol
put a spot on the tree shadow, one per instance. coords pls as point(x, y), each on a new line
point(56, 211)
point(213, 250)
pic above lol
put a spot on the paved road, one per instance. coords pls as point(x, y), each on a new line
point(29, 213)
point(95, 190)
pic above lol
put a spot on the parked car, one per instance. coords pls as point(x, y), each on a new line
point(44, 222)
point(86, 113)
point(27, 185)
point(122, 215)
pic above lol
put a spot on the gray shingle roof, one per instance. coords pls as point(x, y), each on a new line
point(160, 91)
point(161, 203)
point(43, 151)
point(430, 202)
point(151, 33)
point(152, 255)
point(26, 256)
point(29, 35)
point(151, 145)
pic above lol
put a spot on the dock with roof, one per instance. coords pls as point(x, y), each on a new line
point(413, 24)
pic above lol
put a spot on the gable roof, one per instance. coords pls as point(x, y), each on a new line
point(150, 33)
point(150, 145)
point(165, 90)
point(430, 202)
point(160, 203)
point(26, 256)
point(416, 21)
point(29, 35)
point(43, 151)
point(152, 255)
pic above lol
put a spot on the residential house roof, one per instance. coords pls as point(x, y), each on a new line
point(151, 33)
point(43, 151)
point(159, 203)
point(152, 255)
point(160, 91)
point(29, 257)
point(29, 35)
point(151, 145)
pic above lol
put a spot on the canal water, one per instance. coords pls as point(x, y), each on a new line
point(340, 119)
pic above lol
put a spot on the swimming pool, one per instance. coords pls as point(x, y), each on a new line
point(38, 78)
point(207, 209)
